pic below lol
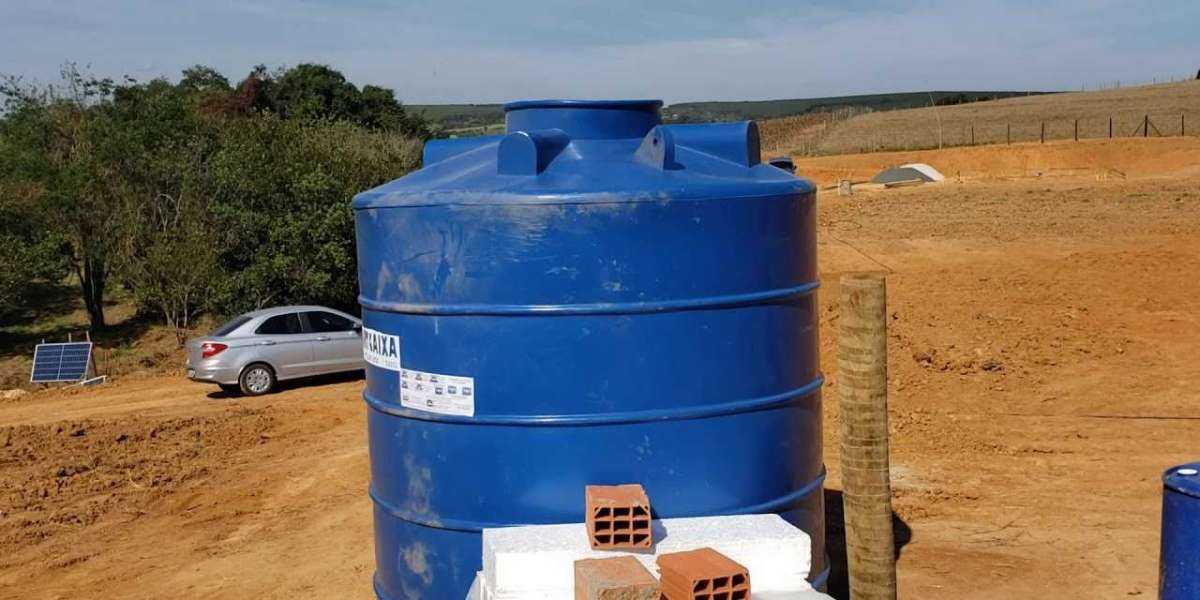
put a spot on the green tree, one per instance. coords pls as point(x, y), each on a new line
point(203, 80)
point(168, 255)
point(54, 131)
point(29, 251)
point(194, 196)
point(379, 109)
point(319, 92)
point(280, 192)
point(170, 260)
point(309, 91)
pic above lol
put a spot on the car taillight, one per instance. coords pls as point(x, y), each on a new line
point(211, 349)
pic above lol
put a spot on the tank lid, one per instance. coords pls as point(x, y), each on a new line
point(643, 105)
point(584, 119)
point(1184, 479)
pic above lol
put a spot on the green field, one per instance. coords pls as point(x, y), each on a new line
point(474, 119)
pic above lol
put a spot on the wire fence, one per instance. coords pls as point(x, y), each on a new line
point(932, 132)
point(1078, 129)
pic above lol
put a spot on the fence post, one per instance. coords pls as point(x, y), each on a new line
point(1110, 128)
point(1146, 127)
point(1182, 125)
point(1077, 130)
point(1008, 133)
point(866, 483)
point(1043, 132)
point(972, 134)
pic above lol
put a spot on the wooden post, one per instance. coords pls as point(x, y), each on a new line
point(1146, 127)
point(1043, 132)
point(972, 134)
point(1110, 128)
point(866, 484)
point(1182, 125)
point(1077, 130)
point(1008, 132)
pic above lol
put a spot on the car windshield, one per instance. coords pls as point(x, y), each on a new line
point(229, 327)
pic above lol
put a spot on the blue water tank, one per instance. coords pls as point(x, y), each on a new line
point(1179, 560)
point(590, 298)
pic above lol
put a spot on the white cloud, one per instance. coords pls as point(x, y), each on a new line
point(463, 55)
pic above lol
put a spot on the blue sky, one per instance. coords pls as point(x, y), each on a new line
point(678, 50)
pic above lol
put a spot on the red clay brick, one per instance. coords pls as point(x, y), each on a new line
point(702, 574)
point(617, 578)
point(618, 516)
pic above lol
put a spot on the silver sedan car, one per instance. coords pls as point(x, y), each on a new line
point(254, 351)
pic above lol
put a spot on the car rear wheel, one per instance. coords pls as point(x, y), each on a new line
point(256, 380)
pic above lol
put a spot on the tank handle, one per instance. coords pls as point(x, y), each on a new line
point(529, 152)
point(657, 149)
point(735, 142)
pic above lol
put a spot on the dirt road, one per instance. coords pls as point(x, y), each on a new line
point(161, 488)
point(1043, 373)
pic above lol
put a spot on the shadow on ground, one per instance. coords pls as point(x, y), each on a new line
point(835, 542)
point(44, 313)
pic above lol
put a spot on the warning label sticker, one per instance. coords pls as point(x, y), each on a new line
point(381, 349)
point(437, 393)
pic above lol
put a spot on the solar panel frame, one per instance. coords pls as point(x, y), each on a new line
point(61, 361)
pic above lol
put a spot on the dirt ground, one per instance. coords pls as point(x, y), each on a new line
point(1042, 375)
point(1042, 371)
point(157, 487)
point(1102, 160)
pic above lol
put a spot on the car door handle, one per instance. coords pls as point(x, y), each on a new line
point(266, 343)
point(323, 338)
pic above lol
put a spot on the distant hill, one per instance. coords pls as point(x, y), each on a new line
point(454, 117)
point(701, 112)
point(474, 119)
point(1169, 108)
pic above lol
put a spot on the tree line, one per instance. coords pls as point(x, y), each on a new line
point(196, 196)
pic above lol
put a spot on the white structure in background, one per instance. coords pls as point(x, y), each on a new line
point(929, 172)
point(912, 173)
point(537, 562)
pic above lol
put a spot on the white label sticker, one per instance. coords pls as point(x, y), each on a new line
point(381, 349)
point(434, 392)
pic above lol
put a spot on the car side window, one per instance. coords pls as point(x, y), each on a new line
point(280, 325)
point(229, 327)
point(326, 322)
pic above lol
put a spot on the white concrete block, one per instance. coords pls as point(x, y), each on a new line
point(809, 594)
point(537, 562)
point(476, 591)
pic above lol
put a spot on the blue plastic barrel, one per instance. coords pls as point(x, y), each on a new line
point(591, 298)
point(1179, 560)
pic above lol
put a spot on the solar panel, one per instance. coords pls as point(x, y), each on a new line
point(61, 362)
